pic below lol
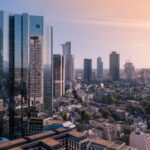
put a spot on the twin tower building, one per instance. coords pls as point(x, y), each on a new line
point(30, 74)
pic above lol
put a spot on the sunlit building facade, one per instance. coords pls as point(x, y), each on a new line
point(58, 76)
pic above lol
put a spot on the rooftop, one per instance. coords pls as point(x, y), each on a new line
point(76, 134)
point(50, 142)
point(40, 135)
point(101, 142)
point(13, 142)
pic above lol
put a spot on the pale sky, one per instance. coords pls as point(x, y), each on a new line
point(95, 27)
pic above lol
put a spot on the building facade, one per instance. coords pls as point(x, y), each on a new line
point(99, 69)
point(114, 66)
point(87, 70)
point(129, 70)
point(58, 76)
point(22, 56)
point(69, 65)
point(48, 72)
point(140, 140)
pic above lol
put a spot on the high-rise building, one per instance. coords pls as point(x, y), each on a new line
point(58, 76)
point(99, 69)
point(87, 70)
point(114, 66)
point(21, 46)
point(48, 72)
point(66, 48)
point(69, 65)
point(129, 70)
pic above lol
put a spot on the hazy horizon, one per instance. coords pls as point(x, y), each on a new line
point(95, 27)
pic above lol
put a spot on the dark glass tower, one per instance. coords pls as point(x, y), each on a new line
point(87, 70)
point(21, 40)
point(114, 66)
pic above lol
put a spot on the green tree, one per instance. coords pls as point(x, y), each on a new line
point(85, 116)
point(106, 113)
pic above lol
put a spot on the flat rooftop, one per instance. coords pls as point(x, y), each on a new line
point(41, 135)
point(76, 134)
point(101, 142)
point(48, 122)
point(13, 142)
point(50, 142)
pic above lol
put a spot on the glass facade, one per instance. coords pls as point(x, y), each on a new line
point(48, 74)
point(18, 60)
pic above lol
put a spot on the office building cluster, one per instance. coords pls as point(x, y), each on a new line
point(30, 74)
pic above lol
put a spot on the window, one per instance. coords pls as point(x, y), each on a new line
point(37, 26)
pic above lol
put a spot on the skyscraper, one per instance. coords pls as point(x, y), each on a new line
point(99, 69)
point(114, 66)
point(48, 72)
point(58, 76)
point(69, 65)
point(129, 70)
point(87, 70)
point(22, 48)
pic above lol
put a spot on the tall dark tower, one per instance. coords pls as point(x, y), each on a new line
point(87, 70)
point(114, 66)
point(21, 46)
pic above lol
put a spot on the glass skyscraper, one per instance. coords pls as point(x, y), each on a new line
point(87, 70)
point(48, 72)
point(114, 66)
point(21, 59)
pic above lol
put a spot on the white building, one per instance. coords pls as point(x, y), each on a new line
point(140, 140)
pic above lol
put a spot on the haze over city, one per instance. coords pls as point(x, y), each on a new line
point(95, 27)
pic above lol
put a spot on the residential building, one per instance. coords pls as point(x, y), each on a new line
point(140, 140)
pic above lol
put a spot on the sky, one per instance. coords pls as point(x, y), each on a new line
point(95, 27)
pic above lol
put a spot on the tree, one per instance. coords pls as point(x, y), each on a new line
point(106, 113)
point(85, 116)
point(127, 129)
point(64, 116)
point(98, 115)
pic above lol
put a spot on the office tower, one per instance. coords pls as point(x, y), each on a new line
point(69, 65)
point(114, 66)
point(145, 74)
point(48, 72)
point(99, 69)
point(129, 70)
point(58, 76)
point(87, 70)
point(66, 48)
point(22, 48)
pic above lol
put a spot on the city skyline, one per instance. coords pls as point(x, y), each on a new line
point(95, 27)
